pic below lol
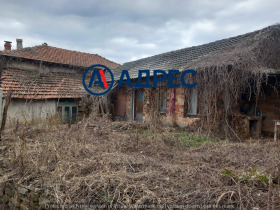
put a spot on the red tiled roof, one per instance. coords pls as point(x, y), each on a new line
point(60, 56)
point(29, 85)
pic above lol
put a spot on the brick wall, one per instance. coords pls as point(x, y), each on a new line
point(178, 113)
point(128, 105)
point(269, 105)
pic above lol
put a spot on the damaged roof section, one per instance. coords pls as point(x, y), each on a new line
point(29, 85)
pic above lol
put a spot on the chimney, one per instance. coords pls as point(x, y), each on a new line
point(19, 44)
point(8, 45)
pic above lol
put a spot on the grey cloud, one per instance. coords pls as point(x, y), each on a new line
point(123, 30)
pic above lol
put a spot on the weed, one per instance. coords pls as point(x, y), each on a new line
point(106, 198)
point(253, 176)
point(230, 173)
point(145, 133)
point(189, 140)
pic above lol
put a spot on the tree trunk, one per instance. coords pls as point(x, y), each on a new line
point(5, 111)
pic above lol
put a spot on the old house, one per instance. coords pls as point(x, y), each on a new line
point(237, 89)
point(45, 80)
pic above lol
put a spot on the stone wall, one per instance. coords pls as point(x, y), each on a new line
point(269, 106)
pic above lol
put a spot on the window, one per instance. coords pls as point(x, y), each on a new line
point(162, 99)
point(194, 105)
point(193, 102)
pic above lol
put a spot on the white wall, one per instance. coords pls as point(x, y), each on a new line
point(23, 110)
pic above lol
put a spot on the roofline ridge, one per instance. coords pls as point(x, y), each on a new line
point(107, 59)
point(13, 53)
point(79, 52)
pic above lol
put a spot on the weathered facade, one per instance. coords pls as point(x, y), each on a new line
point(237, 89)
point(45, 80)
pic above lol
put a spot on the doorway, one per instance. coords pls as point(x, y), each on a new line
point(139, 104)
point(68, 112)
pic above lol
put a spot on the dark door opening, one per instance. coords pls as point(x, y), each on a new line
point(68, 112)
point(139, 104)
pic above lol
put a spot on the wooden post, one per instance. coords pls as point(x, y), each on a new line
point(5, 110)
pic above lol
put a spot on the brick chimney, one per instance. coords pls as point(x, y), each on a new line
point(19, 44)
point(8, 45)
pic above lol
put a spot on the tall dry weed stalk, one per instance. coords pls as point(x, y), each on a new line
point(153, 102)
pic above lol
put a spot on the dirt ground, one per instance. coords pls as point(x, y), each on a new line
point(119, 163)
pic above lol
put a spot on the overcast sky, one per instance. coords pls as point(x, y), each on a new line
point(125, 30)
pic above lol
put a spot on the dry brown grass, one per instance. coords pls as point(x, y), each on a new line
point(102, 162)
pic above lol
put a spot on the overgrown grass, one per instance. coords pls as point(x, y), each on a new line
point(143, 133)
point(146, 133)
point(124, 163)
point(189, 140)
point(253, 176)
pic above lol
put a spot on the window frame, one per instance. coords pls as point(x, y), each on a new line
point(193, 103)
